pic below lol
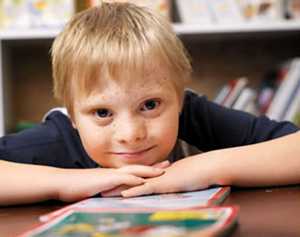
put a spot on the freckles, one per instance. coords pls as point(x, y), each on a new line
point(113, 128)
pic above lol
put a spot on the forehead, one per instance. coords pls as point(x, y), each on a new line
point(152, 76)
point(137, 85)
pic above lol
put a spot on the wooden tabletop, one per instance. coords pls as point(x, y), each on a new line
point(263, 213)
point(267, 212)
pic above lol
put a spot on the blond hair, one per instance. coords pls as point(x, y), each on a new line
point(114, 38)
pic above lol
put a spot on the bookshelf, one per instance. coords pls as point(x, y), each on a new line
point(277, 27)
point(25, 89)
point(179, 28)
point(29, 34)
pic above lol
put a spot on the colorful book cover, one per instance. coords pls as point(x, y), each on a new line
point(35, 13)
point(261, 10)
point(14, 14)
point(214, 221)
point(172, 201)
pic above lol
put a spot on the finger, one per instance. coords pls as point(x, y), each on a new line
point(122, 179)
point(142, 170)
point(114, 192)
point(164, 164)
point(143, 189)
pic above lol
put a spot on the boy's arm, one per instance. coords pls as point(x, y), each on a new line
point(274, 162)
point(24, 183)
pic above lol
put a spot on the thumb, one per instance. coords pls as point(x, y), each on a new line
point(144, 189)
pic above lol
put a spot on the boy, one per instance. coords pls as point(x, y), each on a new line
point(120, 71)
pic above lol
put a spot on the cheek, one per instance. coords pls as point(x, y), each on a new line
point(166, 132)
point(93, 141)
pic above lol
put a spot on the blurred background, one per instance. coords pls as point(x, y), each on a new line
point(245, 53)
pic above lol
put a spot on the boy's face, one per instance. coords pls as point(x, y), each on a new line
point(129, 121)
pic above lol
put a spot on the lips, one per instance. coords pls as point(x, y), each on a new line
point(133, 154)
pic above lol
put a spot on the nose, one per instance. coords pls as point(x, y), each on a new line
point(131, 130)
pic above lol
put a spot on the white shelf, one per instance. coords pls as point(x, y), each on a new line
point(29, 34)
point(180, 29)
point(195, 29)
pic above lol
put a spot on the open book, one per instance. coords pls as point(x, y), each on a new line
point(173, 201)
point(214, 221)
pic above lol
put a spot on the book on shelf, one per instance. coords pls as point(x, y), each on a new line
point(212, 221)
point(204, 12)
point(173, 201)
point(237, 11)
point(246, 101)
point(278, 96)
point(264, 99)
point(285, 93)
point(291, 9)
point(222, 94)
point(35, 14)
point(268, 86)
point(230, 92)
point(237, 95)
point(292, 104)
point(225, 11)
point(236, 88)
point(292, 111)
point(225, 92)
point(261, 10)
point(194, 11)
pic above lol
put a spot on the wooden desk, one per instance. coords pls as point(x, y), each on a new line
point(263, 213)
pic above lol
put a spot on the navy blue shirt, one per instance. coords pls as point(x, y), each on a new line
point(203, 124)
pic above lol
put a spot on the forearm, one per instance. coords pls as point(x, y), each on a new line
point(275, 162)
point(22, 183)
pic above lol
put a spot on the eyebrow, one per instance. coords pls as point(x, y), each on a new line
point(97, 102)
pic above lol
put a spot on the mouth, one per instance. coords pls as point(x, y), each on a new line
point(133, 154)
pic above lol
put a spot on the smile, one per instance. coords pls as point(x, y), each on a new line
point(133, 154)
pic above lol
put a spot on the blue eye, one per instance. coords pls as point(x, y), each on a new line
point(103, 113)
point(150, 105)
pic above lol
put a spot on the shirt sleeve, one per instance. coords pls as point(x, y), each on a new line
point(53, 143)
point(209, 126)
point(39, 145)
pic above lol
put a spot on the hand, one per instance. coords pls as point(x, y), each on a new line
point(188, 174)
point(137, 170)
point(82, 183)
